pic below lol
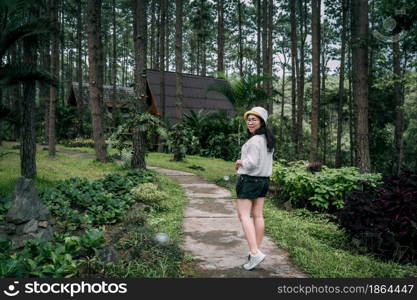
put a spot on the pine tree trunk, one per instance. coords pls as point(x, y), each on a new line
point(16, 105)
point(124, 64)
point(323, 106)
point(359, 24)
point(342, 96)
point(162, 67)
point(28, 136)
point(95, 59)
point(282, 96)
point(80, 104)
point(203, 42)
point(399, 115)
point(220, 36)
point(315, 21)
point(61, 47)
point(265, 59)
point(270, 56)
point(178, 155)
point(115, 110)
point(300, 85)
point(53, 94)
point(178, 58)
point(161, 57)
point(158, 37)
point(352, 111)
point(167, 24)
point(139, 42)
point(152, 38)
point(294, 73)
point(44, 88)
point(1, 122)
point(239, 11)
point(258, 37)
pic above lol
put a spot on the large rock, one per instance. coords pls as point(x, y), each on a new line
point(26, 204)
point(31, 226)
point(28, 218)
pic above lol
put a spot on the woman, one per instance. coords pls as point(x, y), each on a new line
point(254, 168)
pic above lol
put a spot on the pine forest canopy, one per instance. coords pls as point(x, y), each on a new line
point(340, 76)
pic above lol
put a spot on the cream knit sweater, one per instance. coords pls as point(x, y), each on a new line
point(256, 160)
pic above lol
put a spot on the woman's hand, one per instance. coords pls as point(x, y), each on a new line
point(238, 164)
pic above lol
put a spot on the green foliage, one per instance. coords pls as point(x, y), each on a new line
point(118, 140)
point(178, 137)
point(4, 206)
point(147, 258)
point(79, 202)
point(323, 249)
point(325, 190)
point(79, 142)
point(213, 135)
point(126, 157)
point(242, 92)
point(148, 193)
point(148, 124)
point(60, 258)
point(14, 29)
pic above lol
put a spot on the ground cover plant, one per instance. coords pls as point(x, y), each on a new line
point(325, 189)
point(383, 219)
point(97, 217)
point(316, 243)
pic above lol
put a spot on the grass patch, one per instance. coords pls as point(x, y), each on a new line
point(50, 169)
point(315, 244)
point(210, 169)
point(213, 168)
point(169, 220)
point(322, 249)
point(146, 258)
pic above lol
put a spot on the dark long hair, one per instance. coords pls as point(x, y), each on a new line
point(270, 139)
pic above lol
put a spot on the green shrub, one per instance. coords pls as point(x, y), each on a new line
point(79, 142)
point(213, 134)
point(383, 219)
point(126, 156)
point(324, 190)
point(147, 257)
point(60, 258)
point(177, 139)
point(148, 193)
point(79, 202)
point(4, 206)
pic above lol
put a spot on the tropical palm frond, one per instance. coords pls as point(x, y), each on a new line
point(195, 120)
point(224, 89)
point(14, 74)
point(242, 92)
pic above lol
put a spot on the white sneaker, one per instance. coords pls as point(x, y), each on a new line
point(254, 260)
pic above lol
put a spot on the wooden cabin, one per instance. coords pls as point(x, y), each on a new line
point(195, 94)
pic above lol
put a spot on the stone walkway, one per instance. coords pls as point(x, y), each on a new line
point(213, 234)
point(214, 237)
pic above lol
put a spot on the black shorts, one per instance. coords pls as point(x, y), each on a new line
point(251, 187)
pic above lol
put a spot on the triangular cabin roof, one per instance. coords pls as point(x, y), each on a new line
point(196, 96)
point(194, 91)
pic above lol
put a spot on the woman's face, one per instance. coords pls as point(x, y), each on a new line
point(253, 123)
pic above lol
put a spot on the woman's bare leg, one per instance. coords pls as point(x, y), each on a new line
point(258, 219)
point(244, 208)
